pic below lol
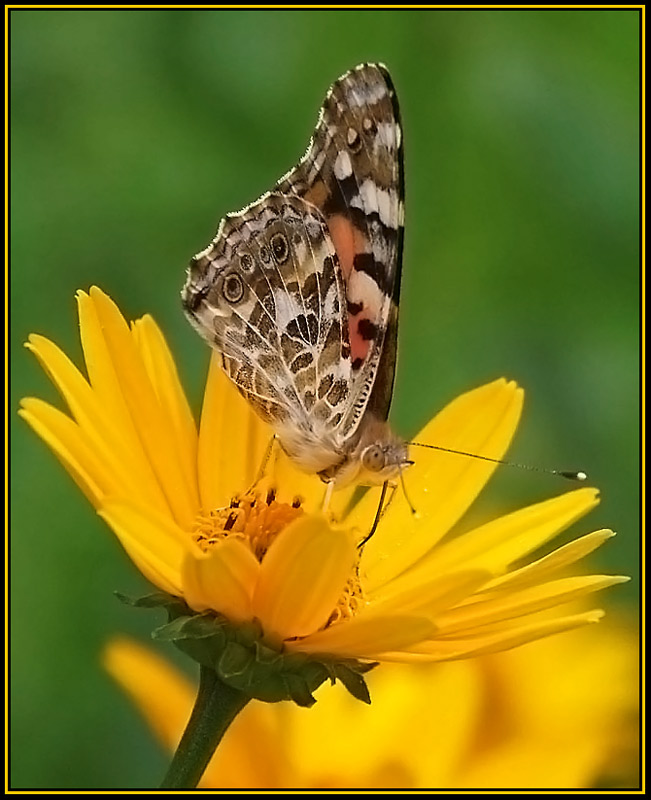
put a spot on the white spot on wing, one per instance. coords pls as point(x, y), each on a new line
point(386, 132)
point(343, 167)
point(362, 95)
point(372, 198)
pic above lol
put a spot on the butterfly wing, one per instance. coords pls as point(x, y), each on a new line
point(299, 290)
point(268, 294)
point(353, 173)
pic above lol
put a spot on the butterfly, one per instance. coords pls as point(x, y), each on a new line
point(299, 291)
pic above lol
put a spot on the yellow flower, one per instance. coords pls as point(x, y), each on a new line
point(559, 713)
point(179, 501)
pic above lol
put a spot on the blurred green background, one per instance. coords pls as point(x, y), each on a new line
point(133, 132)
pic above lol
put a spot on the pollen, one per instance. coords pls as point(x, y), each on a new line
point(255, 517)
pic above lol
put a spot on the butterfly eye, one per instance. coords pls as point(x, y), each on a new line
point(233, 288)
point(279, 247)
point(246, 262)
point(373, 458)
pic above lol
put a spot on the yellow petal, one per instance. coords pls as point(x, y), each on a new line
point(541, 570)
point(223, 579)
point(164, 377)
point(106, 387)
point(65, 439)
point(232, 441)
point(153, 426)
point(498, 543)
point(366, 635)
point(500, 607)
point(449, 650)
point(100, 433)
point(72, 385)
point(428, 599)
point(155, 544)
point(441, 486)
point(302, 577)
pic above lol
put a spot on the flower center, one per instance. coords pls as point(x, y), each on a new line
point(255, 517)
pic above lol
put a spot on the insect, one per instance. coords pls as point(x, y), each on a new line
point(299, 291)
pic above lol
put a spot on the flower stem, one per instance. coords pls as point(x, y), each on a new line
point(216, 706)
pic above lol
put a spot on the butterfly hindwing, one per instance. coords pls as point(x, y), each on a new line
point(353, 172)
point(268, 294)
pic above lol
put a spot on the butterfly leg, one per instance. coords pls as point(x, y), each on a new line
point(404, 491)
point(330, 485)
point(264, 463)
point(382, 507)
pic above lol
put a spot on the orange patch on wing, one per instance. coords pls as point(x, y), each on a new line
point(348, 241)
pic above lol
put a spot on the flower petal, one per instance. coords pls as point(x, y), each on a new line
point(499, 607)
point(431, 598)
point(233, 441)
point(164, 377)
point(125, 440)
point(500, 542)
point(71, 384)
point(153, 426)
point(450, 650)
point(302, 577)
point(441, 485)
point(155, 544)
point(222, 579)
point(101, 433)
point(541, 570)
point(66, 441)
point(367, 635)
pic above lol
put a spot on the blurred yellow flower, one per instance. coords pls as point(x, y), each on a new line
point(180, 502)
point(559, 713)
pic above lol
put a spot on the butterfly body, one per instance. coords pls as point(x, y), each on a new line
point(299, 290)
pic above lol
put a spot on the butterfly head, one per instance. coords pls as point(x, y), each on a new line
point(382, 461)
point(378, 456)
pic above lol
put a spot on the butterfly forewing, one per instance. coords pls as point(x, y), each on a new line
point(353, 172)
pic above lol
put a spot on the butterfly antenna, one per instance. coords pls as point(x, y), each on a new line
point(570, 475)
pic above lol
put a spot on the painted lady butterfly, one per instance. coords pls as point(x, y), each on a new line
point(299, 291)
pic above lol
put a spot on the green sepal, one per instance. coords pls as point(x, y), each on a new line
point(174, 605)
point(244, 661)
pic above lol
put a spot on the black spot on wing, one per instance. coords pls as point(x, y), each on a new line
point(338, 392)
point(324, 385)
point(305, 328)
point(343, 191)
point(367, 330)
point(301, 361)
point(366, 262)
